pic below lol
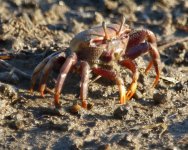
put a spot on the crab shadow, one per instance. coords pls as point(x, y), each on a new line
point(149, 102)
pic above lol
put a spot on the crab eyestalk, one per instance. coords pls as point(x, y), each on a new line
point(105, 30)
point(121, 26)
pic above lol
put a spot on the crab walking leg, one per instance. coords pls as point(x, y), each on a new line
point(85, 70)
point(156, 62)
point(120, 83)
point(131, 65)
point(149, 67)
point(38, 69)
point(5, 56)
point(47, 68)
point(70, 61)
point(113, 76)
point(142, 48)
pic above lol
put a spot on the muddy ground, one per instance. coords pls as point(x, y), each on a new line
point(155, 118)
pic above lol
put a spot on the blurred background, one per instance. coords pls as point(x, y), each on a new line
point(155, 118)
point(63, 19)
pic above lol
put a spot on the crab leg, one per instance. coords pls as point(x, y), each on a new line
point(5, 56)
point(131, 65)
point(156, 62)
point(138, 37)
point(134, 52)
point(85, 70)
point(38, 69)
point(70, 61)
point(113, 76)
point(47, 68)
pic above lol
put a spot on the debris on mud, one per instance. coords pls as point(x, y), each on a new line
point(121, 112)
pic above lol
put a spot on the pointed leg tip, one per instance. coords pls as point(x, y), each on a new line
point(84, 104)
point(130, 94)
point(42, 93)
point(122, 102)
point(146, 72)
point(123, 99)
point(31, 90)
point(155, 82)
point(131, 91)
point(57, 105)
point(56, 99)
point(41, 89)
point(148, 67)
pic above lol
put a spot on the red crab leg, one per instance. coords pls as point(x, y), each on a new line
point(70, 61)
point(137, 38)
point(47, 69)
point(131, 65)
point(85, 70)
point(136, 51)
point(38, 69)
point(113, 76)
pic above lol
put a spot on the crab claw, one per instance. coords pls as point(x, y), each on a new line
point(132, 66)
point(122, 94)
point(131, 91)
point(121, 87)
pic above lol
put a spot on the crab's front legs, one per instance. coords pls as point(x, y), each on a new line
point(141, 47)
point(109, 74)
point(131, 65)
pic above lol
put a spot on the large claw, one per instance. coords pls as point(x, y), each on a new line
point(131, 91)
point(131, 65)
point(140, 42)
point(120, 83)
point(122, 94)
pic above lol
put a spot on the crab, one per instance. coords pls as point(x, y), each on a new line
point(101, 50)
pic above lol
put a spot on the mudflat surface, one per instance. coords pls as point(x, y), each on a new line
point(155, 118)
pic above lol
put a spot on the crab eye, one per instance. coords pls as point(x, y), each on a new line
point(124, 36)
point(96, 42)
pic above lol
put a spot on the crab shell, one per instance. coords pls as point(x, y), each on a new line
point(89, 44)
